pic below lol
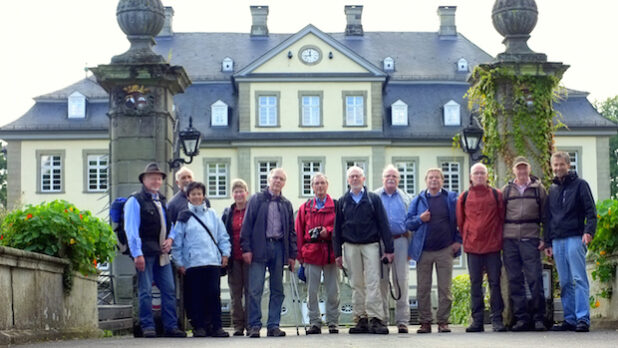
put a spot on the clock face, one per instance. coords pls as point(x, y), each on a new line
point(310, 55)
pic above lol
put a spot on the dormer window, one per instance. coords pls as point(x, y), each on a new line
point(218, 113)
point(399, 113)
point(227, 65)
point(77, 105)
point(452, 116)
point(389, 64)
point(462, 65)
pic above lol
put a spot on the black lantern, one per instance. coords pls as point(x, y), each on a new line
point(471, 138)
point(190, 141)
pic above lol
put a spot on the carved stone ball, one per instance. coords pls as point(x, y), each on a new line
point(514, 17)
point(140, 17)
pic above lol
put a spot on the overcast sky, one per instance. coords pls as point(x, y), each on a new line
point(47, 44)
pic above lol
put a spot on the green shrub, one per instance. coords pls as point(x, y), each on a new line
point(60, 229)
point(460, 310)
point(603, 245)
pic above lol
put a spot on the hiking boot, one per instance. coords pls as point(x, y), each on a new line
point(475, 327)
point(313, 330)
point(332, 329)
point(253, 332)
point(149, 333)
point(199, 332)
point(220, 333)
point(519, 326)
point(425, 328)
point(402, 329)
point(378, 327)
point(175, 332)
point(362, 326)
point(275, 332)
point(498, 326)
point(539, 326)
point(582, 326)
point(443, 327)
point(563, 327)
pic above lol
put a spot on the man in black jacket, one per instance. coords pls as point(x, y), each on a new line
point(360, 225)
point(267, 240)
point(572, 220)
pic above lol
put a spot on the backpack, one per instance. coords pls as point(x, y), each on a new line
point(116, 214)
point(537, 196)
point(345, 201)
point(465, 196)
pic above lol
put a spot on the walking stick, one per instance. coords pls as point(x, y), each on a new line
point(296, 298)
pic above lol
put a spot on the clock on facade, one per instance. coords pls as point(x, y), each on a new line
point(310, 55)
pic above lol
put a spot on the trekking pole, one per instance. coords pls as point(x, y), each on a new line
point(294, 283)
point(293, 300)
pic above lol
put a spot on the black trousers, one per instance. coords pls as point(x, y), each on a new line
point(522, 261)
point(477, 265)
point(203, 285)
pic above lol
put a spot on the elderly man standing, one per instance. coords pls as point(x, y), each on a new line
point(432, 215)
point(525, 201)
point(268, 240)
point(396, 204)
point(314, 224)
point(480, 216)
point(178, 203)
point(148, 234)
point(360, 225)
point(572, 222)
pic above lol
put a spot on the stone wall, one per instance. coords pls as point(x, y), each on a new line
point(606, 315)
point(34, 307)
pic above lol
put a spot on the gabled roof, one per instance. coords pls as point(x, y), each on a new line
point(87, 86)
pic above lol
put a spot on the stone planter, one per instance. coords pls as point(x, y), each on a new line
point(606, 315)
point(34, 307)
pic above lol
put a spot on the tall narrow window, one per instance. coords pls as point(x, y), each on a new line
point(216, 179)
point(407, 172)
point(76, 105)
point(218, 111)
point(310, 110)
point(355, 107)
point(309, 168)
point(399, 113)
point(264, 167)
point(267, 111)
point(452, 176)
point(98, 168)
point(51, 173)
point(573, 157)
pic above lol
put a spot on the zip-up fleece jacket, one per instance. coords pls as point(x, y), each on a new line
point(253, 231)
point(480, 220)
point(361, 223)
point(321, 252)
point(192, 246)
point(525, 212)
point(571, 209)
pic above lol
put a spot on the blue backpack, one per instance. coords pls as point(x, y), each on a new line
point(116, 214)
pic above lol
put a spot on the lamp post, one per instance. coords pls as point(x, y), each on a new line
point(190, 139)
point(471, 138)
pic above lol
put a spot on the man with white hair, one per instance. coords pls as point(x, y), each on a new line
point(396, 203)
point(178, 203)
point(360, 225)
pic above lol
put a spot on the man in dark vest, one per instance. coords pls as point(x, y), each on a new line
point(148, 233)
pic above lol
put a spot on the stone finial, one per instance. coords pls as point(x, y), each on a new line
point(259, 16)
point(447, 21)
point(515, 20)
point(140, 20)
point(353, 14)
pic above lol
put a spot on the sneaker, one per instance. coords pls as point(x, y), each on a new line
point(475, 327)
point(220, 333)
point(539, 326)
point(402, 329)
point(519, 326)
point(582, 326)
point(443, 327)
point(253, 332)
point(378, 327)
point(200, 332)
point(563, 327)
point(239, 332)
point(332, 329)
point(498, 327)
point(425, 328)
point(362, 326)
point(149, 333)
point(175, 332)
point(314, 329)
point(275, 332)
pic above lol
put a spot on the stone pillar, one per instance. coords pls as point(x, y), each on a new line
point(141, 86)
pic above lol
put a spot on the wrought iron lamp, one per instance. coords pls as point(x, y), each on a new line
point(190, 139)
point(471, 139)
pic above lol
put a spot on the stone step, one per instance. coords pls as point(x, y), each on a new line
point(112, 312)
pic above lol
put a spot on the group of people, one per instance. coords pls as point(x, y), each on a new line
point(370, 236)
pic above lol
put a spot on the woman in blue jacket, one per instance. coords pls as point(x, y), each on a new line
point(201, 247)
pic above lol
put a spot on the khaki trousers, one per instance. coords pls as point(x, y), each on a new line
point(398, 272)
point(443, 259)
point(363, 264)
point(331, 288)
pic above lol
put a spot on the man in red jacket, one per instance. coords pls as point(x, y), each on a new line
point(314, 225)
point(480, 215)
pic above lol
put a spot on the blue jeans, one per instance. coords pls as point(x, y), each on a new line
point(164, 279)
point(570, 256)
point(257, 273)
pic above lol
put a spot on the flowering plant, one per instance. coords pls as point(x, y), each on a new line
point(59, 229)
point(603, 246)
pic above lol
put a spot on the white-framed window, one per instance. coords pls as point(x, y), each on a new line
point(227, 65)
point(452, 175)
point(452, 116)
point(76, 105)
point(354, 110)
point(216, 179)
point(98, 173)
point(462, 65)
point(267, 110)
point(51, 173)
point(308, 168)
point(573, 157)
point(263, 168)
point(399, 113)
point(362, 164)
point(310, 108)
point(389, 64)
point(407, 173)
point(219, 114)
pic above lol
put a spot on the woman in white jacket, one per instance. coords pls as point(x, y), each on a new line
point(200, 258)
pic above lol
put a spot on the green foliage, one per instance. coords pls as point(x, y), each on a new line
point(604, 246)
point(60, 229)
point(528, 123)
point(460, 310)
point(3, 174)
point(609, 109)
